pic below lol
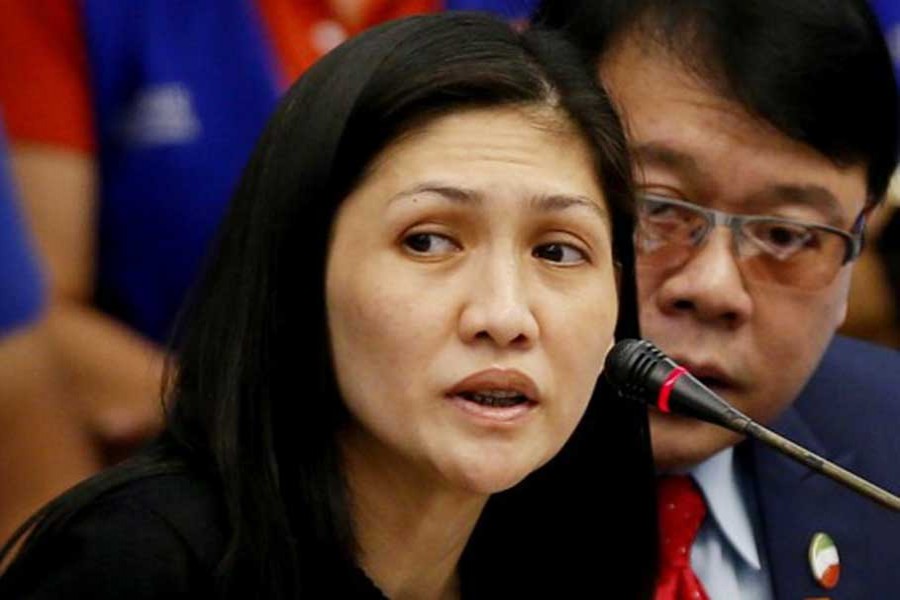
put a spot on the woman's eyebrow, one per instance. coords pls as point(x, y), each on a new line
point(560, 202)
point(449, 192)
point(541, 202)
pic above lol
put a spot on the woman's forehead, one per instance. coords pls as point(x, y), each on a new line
point(492, 142)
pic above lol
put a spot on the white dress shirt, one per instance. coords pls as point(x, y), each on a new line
point(724, 555)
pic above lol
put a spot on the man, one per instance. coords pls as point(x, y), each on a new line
point(785, 110)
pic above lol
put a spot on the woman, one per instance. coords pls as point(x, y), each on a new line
point(406, 314)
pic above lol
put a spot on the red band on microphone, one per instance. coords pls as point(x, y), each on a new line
point(662, 401)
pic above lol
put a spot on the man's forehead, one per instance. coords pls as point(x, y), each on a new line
point(639, 76)
point(683, 126)
point(831, 194)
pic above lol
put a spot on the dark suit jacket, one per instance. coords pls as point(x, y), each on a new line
point(848, 413)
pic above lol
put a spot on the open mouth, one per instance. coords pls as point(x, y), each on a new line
point(495, 398)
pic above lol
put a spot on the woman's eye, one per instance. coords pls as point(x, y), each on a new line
point(429, 243)
point(559, 253)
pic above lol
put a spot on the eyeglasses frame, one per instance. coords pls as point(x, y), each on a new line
point(853, 238)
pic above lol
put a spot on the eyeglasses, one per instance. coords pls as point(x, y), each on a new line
point(769, 249)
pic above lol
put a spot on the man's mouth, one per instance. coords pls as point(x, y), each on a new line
point(709, 375)
point(714, 382)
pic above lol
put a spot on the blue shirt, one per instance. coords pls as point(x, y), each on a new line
point(725, 555)
point(508, 9)
point(182, 90)
point(21, 286)
point(889, 14)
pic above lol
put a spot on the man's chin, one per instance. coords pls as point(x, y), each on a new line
point(680, 443)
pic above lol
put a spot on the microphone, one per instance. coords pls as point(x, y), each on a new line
point(640, 371)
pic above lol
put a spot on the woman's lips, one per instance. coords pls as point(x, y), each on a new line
point(496, 395)
point(497, 379)
point(493, 414)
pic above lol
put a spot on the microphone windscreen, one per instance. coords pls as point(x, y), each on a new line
point(628, 366)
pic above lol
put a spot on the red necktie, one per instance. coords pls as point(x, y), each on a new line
point(681, 511)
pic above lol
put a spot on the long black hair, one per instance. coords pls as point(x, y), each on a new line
point(253, 401)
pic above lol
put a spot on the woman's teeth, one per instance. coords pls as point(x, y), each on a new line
point(498, 398)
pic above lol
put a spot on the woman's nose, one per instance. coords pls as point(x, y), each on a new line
point(498, 304)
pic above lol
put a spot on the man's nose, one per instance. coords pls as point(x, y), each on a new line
point(709, 285)
point(498, 306)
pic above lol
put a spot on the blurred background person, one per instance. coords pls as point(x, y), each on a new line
point(874, 310)
point(128, 125)
point(42, 449)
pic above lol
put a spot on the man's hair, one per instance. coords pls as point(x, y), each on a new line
point(819, 71)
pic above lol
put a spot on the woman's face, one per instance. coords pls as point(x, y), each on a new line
point(471, 298)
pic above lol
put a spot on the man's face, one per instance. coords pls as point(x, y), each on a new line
point(755, 343)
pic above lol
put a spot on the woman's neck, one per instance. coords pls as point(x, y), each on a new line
point(410, 531)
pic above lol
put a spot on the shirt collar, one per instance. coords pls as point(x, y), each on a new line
point(719, 480)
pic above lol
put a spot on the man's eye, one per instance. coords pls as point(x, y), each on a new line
point(430, 243)
point(783, 239)
point(663, 212)
point(559, 253)
point(780, 235)
point(658, 210)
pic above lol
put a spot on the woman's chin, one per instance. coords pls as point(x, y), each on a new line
point(487, 477)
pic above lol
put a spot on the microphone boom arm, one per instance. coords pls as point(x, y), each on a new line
point(823, 466)
point(640, 371)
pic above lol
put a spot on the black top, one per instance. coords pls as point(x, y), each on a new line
point(156, 537)
point(163, 534)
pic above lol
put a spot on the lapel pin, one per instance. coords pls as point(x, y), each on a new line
point(824, 560)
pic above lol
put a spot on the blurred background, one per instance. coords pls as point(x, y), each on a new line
point(875, 295)
point(126, 126)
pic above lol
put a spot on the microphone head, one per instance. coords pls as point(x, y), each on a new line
point(628, 367)
point(642, 372)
